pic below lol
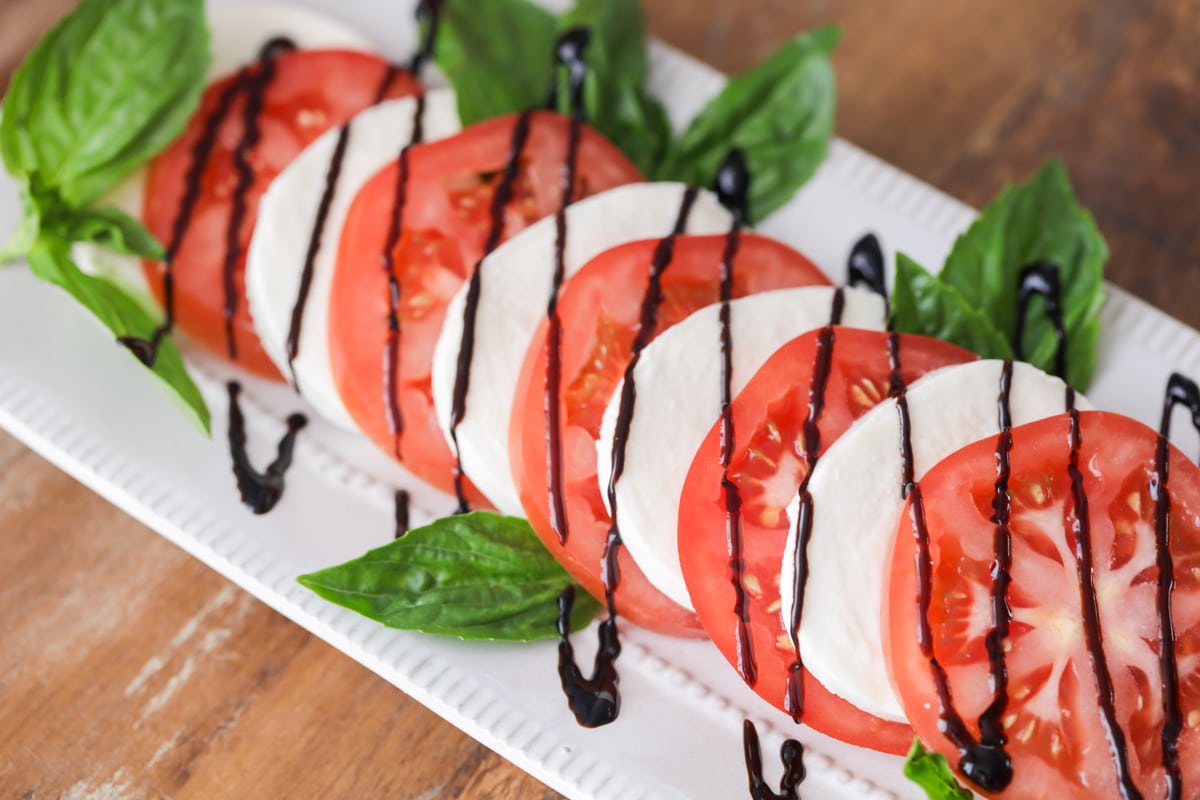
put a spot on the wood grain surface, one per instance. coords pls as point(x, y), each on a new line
point(128, 670)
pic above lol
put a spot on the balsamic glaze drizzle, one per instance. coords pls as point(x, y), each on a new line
point(401, 513)
point(733, 188)
point(1041, 279)
point(791, 754)
point(256, 84)
point(260, 491)
point(823, 362)
point(146, 350)
point(430, 11)
point(596, 700)
point(1180, 391)
point(866, 266)
point(462, 376)
point(314, 247)
point(568, 53)
point(391, 357)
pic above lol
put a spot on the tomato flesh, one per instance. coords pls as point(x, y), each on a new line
point(1056, 738)
point(311, 92)
point(600, 309)
point(769, 462)
point(445, 225)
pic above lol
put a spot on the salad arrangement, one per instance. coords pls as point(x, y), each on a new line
point(520, 271)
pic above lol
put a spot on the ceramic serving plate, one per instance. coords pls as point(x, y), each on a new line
point(80, 401)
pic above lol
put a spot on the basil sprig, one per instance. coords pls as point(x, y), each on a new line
point(104, 91)
point(475, 576)
point(779, 114)
point(973, 300)
point(930, 771)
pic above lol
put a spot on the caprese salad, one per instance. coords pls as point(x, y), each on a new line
point(889, 521)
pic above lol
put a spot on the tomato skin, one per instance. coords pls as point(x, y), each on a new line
point(1055, 735)
point(445, 224)
point(312, 91)
point(600, 308)
point(768, 464)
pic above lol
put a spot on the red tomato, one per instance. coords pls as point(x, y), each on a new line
point(1056, 739)
point(600, 309)
point(768, 465)
point(445, 226)
point(312, 91)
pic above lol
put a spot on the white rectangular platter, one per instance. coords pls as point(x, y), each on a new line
point(85, 405)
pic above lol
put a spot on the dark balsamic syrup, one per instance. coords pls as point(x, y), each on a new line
point(256, 88)
point(1180, 391)
point(462, 376)
point(391, 355)
point(569, 54)
point(866, 266)
point(822, 364)
point(1041, 279)
point(314, 247)
point(401, 513)
point(596, 700)
point(791, 754)
point(430, 11)
point(733, 188)
point(260, 491)
point(146, 350)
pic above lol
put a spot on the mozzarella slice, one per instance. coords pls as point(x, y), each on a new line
point(236, 34)
point(678, 398)
point(286, 215)
point(516, 283)
point(855, 487)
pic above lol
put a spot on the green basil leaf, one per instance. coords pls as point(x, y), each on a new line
point(474, 576)
point(107, 88)
point(50, 261)
point(615, 98)
point(930, 771)
point(921, 303)
point(779, 114)
point(1035, 221)
point(112, 228)
point(497, 54)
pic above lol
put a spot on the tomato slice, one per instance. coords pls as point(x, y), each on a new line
point(600, 308)
point(767, 466)
point(311, 92)
point(445, 225)
point(1056, 737)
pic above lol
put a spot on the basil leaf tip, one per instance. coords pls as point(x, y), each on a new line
point(932, 773)
point(474, 576)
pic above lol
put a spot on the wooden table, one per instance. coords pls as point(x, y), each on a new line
point(129, 670)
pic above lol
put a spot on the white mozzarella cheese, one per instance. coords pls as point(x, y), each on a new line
point(855, 487)
point(276, 258)
point(236, 34)
point(678, 399)
point(516, 283)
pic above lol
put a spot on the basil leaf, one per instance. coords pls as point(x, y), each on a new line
point(497, 54)
point(51, 262)
point(107, 88)
point(779, 114)
point(615, 98)
point(923, 304)
point(474, 576)
point(112, 228)
point(1034, 221)
point(930, 771)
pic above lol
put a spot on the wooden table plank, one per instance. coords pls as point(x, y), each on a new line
point(129, 670)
